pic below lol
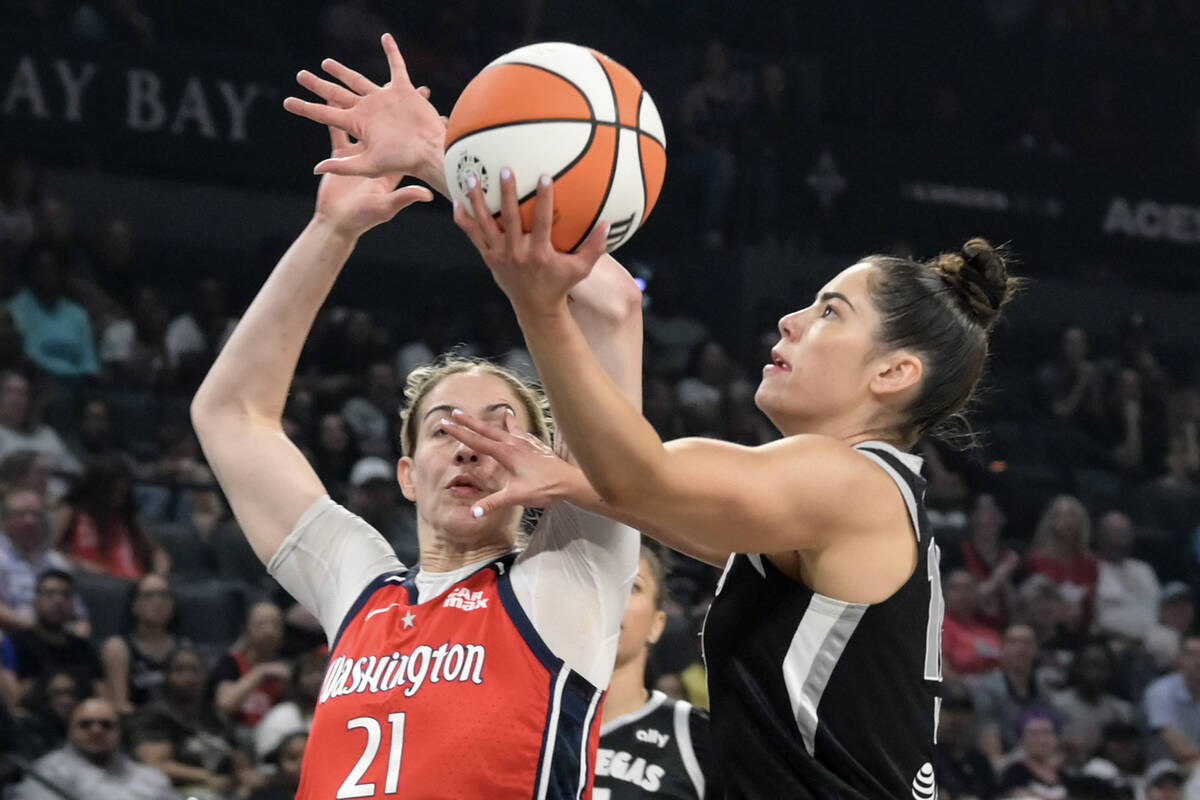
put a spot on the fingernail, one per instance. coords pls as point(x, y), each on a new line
point(445, 422)
point(456, 206)
point(477, 512)
point(505, 174)
point(510, 412)
point(471, 182)
point(458, 412)
point(544, 180)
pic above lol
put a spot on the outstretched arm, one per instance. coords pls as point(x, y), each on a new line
point(238, 410)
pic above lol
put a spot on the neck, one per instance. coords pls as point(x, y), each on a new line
point(102, 760)
point(986, 546)
point(29, 550)
point(627, 692)
point(444, 553)
point(54, 634)
point(1018, 674)
point(151, 633)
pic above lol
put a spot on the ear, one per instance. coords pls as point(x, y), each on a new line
point(895, 373)
point(404, 469)
point(657, 627)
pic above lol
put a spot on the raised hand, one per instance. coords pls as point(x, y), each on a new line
point(537, 475)
point(355, 205)
point(531, 272)
point(397, 130)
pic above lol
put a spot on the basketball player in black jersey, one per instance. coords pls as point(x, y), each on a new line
point(823, 643)
point(650, 745)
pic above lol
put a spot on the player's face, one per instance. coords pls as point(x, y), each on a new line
point(643, 622)
point(822, 365)
point(445, 477)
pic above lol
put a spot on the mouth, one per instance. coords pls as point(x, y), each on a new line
point(777, 363)
point(463, 486)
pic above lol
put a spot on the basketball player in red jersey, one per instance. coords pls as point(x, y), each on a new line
point(480, 672)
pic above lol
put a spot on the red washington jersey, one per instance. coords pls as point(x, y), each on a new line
point(451, 696)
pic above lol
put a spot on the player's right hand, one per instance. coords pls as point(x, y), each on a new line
point(397, 130)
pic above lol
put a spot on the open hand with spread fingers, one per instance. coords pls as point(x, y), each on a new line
point(534, 275)
point(397, 130)
point(538, 476)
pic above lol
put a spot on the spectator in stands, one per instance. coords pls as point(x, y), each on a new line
point(335, 453)
point(47, 710)
point(295, 713)
point(121, 23)
point(248, 680)
point(98, 525)
point(183, 735)
point(49, 643)
point(1176, 614)
point(133, 350)
point(1164, 780)
point(701, 391)
point(57, 331)
point(969, 645)
point(1172, 707)
point(498, 338)
point(1038, 766)
point(24, 554)
point(92, 764)
point(1121, 753)
point(135, 661)
point(1042, 606)
point(670, 332)
point(961, 768)
point(12, 350)
point(20, 428)
point(1127, 590)
point(194, 337)
point(18, 200)
point(288, 758)
point(989, 558)
point(26, 469)
point(660, 408)
point(370, 414)
point(1060, 551)
point(1088, 705)
point(708, 116)
point(440, 332)
point(375, 496)
point(1070, 385)
point(1183, 449)
point(1002, 695)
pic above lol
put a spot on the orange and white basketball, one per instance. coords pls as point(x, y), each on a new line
point(571, 113)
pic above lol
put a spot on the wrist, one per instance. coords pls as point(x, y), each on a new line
point(536, 315)
point(331, 227)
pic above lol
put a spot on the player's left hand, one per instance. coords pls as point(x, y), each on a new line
point(534, 275)
point(537, 476)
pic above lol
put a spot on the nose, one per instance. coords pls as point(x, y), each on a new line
point(789, 325)
point(465, 455)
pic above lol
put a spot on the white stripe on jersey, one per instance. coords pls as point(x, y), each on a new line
point(820, 638)
point(683, 739)
point(548, 743)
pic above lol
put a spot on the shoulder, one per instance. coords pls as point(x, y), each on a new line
point(1165, 686)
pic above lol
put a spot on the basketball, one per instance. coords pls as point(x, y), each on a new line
point(571, 113)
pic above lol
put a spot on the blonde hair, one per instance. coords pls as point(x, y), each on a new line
point(422, 380)
point(1044, 539)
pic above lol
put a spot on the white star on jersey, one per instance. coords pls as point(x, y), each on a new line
point(409, 619)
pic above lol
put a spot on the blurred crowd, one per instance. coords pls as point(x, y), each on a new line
point(140, 632)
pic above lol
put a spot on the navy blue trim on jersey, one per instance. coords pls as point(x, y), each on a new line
point(508, 598)
point(571, 717)
point(410, 585)
point(370, 589)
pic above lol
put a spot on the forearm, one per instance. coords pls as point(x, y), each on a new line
point(12, 621)
point(607, 307)
point(616, 447)
point(231, 694)
point(251, 376)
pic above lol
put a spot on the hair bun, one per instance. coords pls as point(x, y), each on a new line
point(979, 276)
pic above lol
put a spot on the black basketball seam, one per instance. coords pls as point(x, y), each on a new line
point(612, 173)
point(641, 165)
point(571, 83)
point(593, 122)
point(586, 146)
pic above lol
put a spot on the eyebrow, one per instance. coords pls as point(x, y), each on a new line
point(836, 296)
point(449, 408)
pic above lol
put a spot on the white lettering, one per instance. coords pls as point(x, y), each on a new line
point(418, 666)
point(145, 110)
point(73, 87)
point(239, 107)
point(193, 107)
point(1119, 218)
point(1152, 220)
point(960, 196)
point(26, 87)
point(654, 776)
point(620, 765)
point(374, 674)
point(454, 662)
point(384, 682)
point(473, 663)
point(603, 761)
point(438, 655)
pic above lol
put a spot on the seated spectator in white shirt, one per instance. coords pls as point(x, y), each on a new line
point(92, 765)
point(296, 713)
point(1127, 590)
point(1176, 612)
point(21, 430)
point(24, 554)
point(1088, 705)
point(133, 350)
point(1172, 707)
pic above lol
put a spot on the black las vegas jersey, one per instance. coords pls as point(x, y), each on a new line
point(659, 751)
point(818, 698)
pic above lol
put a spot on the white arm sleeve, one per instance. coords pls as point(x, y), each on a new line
point(573, 582)
point(328, 559)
